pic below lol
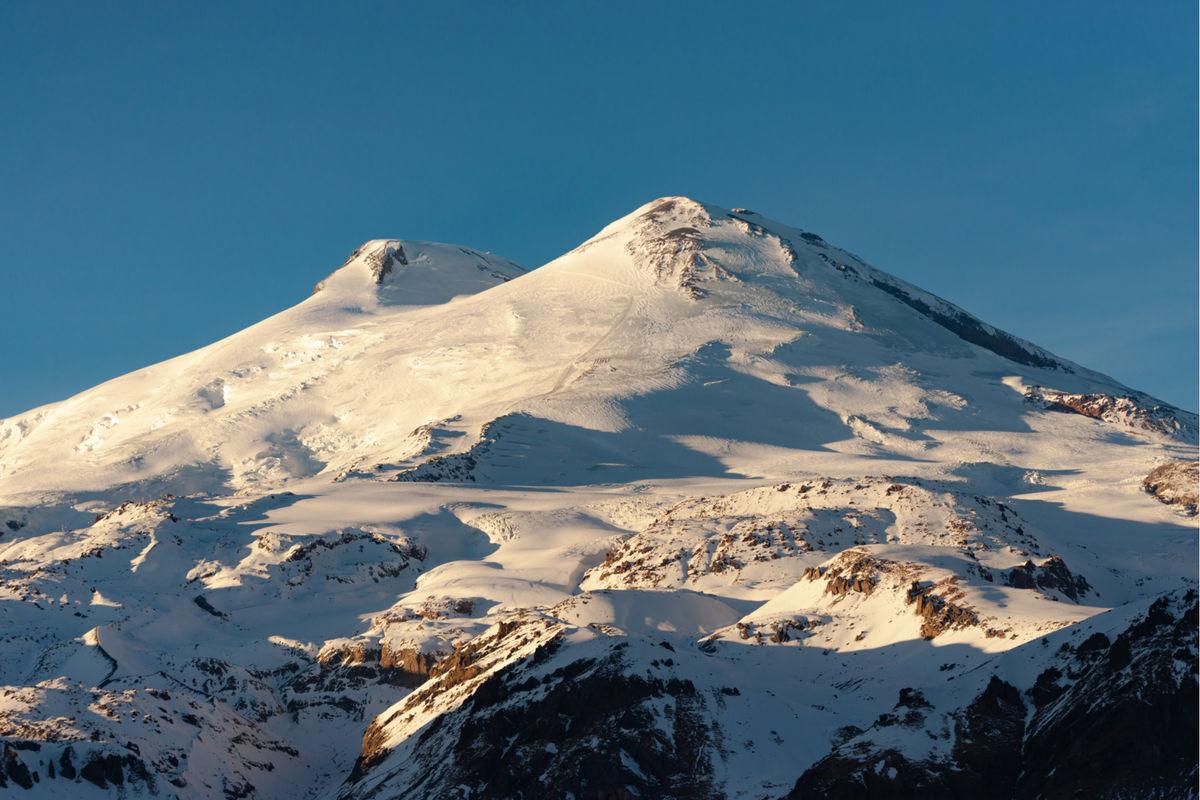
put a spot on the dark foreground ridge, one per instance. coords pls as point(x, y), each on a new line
point(1106, 719)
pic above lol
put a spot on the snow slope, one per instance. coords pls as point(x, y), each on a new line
point(705, 467)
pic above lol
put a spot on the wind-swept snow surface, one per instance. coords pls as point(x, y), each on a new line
point(706, 507)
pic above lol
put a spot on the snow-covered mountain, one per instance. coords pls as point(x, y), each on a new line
point(706, 507)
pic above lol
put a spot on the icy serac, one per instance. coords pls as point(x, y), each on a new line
point(706, 507)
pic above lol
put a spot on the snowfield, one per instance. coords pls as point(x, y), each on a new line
point(706, 507)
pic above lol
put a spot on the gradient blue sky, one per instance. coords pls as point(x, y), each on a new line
point(171, 172)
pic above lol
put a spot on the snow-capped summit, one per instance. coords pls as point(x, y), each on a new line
point(408, 273)
point(411, 349)
point(705, 507)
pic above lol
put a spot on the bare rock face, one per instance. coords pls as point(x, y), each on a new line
point(701, 542)
point(776, 631)
point(1112, 718)
point(941, 604)
point(407, 272)
point(387, 664)
point(1126, 722)
point(967, 327)
point(1176, 483)
point(670, 241)
point(83, 749)
point(553, 725)
point(384, 259)
point(940, 608)
point(453, 681)
point(987, 743)
point(858, 574)
point(408, 666)
point(459, 466)
point(1051, 575)
point(1137, 412)
point(381, 258)
point(119, 771)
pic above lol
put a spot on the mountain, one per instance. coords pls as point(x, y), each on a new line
point(706, 507)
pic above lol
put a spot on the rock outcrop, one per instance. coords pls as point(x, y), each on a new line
point(1176, 483)
point(1111, 718)
point(552, 724)
point(1132, 411)
point(1051, 575)
point(939, 605)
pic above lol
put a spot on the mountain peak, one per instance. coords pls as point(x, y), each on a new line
point(706, 471)
point(379, 367)
point(402, 272)
point(662, 208)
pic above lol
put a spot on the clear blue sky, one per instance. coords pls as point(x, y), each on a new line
point(172, 172)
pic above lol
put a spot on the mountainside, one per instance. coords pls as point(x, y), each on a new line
point(706, 507)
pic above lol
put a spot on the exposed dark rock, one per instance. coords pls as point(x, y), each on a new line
point(112, 769)
point(1051, 575)
point(988, 741)
point(404, 666)
point(1176, 483)
point(379, 261)
point(911, 698)
point(103, 770)
point(203, 603)
point(407, 666)
point(1127, 726)
point(1115, 719)
point(1046, 689)
point(972, 330)
point(589, 728)
point(66, 766)
point(382, 261)
point(853, 583)
point(859, 573)
point(1137, 412)
point(670, 242)
point(1095, 643)
point(238, 790)
point(15, 769)
point(938, 611)
point(987, 744)
point(457, 668)
point(777, 631)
